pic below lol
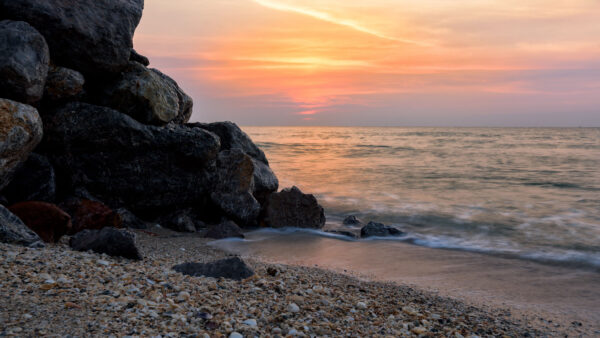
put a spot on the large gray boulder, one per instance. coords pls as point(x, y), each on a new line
point(234, 186)
point(147, 95)
point(24, 59)
point(91, 36)
point(233, 137)
point(63, 84)
point(127, 164)
point(14, 231)
point(292, 208)
point(20, 132)
point(33, 181)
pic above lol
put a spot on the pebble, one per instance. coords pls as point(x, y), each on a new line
point(103, 262)
point(293, 307)
point(361, 305)
point(250, 322)
point(235, 335)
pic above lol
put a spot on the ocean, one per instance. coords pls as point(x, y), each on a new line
point(525, 193)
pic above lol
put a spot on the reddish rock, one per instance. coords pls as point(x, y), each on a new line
point(46, 219)
point(87, 214)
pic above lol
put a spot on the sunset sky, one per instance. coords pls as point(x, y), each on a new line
point(381, 62)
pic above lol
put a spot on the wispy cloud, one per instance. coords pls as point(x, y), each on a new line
point(335, 20)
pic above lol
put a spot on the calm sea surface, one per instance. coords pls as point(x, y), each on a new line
point(519, 192)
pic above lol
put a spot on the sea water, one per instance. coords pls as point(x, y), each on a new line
point(528, 193)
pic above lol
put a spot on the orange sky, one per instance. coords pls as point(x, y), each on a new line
point(381, 62)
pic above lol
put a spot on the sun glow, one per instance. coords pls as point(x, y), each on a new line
point(296, 58)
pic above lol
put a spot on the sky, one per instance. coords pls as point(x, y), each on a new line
point(380, 62)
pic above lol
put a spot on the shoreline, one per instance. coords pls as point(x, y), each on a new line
point(99, 295)
point(541, 294)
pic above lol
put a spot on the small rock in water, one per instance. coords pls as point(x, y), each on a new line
point(292, 307)
point(379, 230)
point(351, 220)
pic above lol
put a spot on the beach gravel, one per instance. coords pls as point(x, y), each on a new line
point(57, 291)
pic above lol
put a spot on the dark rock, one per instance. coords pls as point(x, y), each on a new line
point(24, 59)
point(142, 168)
point(379, 230)
point(12, 230)
point(110, 241)
point(226, 229)
point(147, 95)
point(271, 271)
point(265, 181)
point(292, 208)
point(185, 103)
point(63, 84)
point(87, 214)
point(33, 181)
point(20, 132)
point(3, 200)
point(139, 58)
point(130, 220)
point(231, 268)
point(351, 220)
point(234, 186)
point(233, 137)
point(47, 220)
point(183, 220)
point(343, 233)
point(91, 36)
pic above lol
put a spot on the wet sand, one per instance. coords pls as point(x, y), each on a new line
point(560, 299)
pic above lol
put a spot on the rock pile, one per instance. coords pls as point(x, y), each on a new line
point(86, 127)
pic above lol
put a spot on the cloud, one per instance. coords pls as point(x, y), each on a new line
point(336, 20)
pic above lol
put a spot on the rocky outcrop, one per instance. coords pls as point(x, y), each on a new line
point(20, 132)
point(232, 137)
point(147, 95)
point(91, 36)
point(374, 229)
point(233, 190)
point(139, 58)
point(225, 229)
point(292, 208)
point(23, 62)
point(33, 181)
point(14, 231)
point(47, 220)
point(110, 241)
point(132, 165)
point(231, 268)
point(63, 84)
point(87, 214)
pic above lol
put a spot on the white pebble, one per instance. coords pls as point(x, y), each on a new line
point(292, 332)
point(361, 305)
point(292, 307)
point(235, 335)
point(183, 296)
point(250, 322)
point(103, 262)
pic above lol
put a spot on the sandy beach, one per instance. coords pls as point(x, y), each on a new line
point(86, 294)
